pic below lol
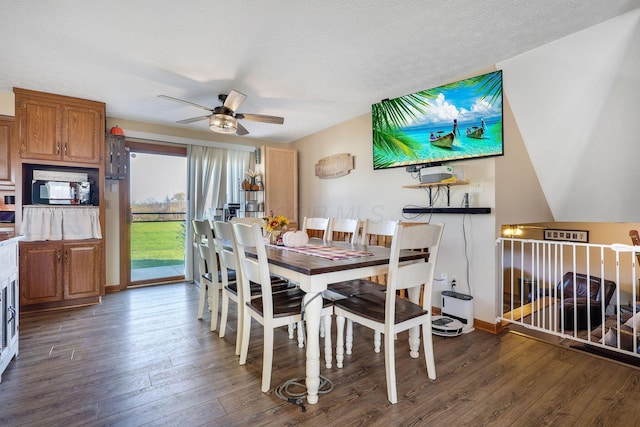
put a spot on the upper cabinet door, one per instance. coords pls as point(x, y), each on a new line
point(6, 134)
point(40, 130)
point(59, 128)
point(82, 134)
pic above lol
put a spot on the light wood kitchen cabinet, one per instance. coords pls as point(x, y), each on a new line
point(59, 128)
point(6, 164)
point(52, 271)
point(280, 168)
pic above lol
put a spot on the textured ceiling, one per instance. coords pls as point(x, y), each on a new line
point(317, 63)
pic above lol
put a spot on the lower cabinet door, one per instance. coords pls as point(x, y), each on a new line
point(81, 270)
point(40, 272)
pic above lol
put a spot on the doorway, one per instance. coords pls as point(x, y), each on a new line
point(153, 214)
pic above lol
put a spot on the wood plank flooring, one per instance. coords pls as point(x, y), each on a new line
point(142, 358)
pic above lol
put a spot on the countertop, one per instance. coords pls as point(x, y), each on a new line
point(8, 238)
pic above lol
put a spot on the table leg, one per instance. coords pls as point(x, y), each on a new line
point(313, 310)
point(339, 341)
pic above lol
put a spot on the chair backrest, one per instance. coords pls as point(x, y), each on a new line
point(203, 241)
point(250, 221)
point(249, 237)
point(586, 287)
point(225, 243)
point(378, 233)
point(343, 230)
point(316, 227)
point(413, 236)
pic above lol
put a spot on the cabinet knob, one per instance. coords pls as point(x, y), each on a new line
point(58, 148)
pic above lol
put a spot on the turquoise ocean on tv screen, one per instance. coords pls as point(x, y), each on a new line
point(463, 146)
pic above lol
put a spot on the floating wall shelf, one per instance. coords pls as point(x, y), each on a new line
point(443, 210)
point(447, 210)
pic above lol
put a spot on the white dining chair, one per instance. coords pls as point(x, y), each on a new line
point(316, 227)
point(262, 223)
point(271, 310)
point(249, 220)
point(343, 230)
point(227, 251)
point(378, 233)
point(389, 314)
point(227, 254)
point(210, 283)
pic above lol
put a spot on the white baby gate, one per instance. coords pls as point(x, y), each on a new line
point(532, 270)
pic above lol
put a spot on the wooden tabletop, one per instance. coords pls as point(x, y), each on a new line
point(313, 265)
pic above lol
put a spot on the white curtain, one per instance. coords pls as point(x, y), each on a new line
point(237, 167)
point(214, 179)
point(204, 165)
point(205, 168)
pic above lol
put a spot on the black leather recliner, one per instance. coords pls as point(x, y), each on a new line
point(587, 299)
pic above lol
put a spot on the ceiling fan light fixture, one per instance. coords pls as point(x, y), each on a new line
point(223, 123)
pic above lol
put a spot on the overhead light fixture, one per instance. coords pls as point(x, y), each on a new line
point(223, 123)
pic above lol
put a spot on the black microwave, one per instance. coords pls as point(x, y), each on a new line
point(60, 193)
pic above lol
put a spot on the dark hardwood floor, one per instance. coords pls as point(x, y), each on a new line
point(142, 358)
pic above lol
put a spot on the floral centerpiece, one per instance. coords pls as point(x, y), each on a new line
point(276, 225)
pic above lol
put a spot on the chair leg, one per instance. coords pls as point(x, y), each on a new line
point(223, 315)
point(390, 367)
point(300, 327)
point(377, 340)
point(201, 299)
point(339, 341)
point(349, 339)
point(292, 327)
point(414, 342)
point(239, 329)
point(427, 337)
point(322, 329)
point(246, 332)
point(267, 358)
point(327, 341)
point(215, 299)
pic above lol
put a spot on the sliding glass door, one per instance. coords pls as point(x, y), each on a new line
point(156, 211)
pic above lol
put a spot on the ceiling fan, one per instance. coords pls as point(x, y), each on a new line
point(224, 119)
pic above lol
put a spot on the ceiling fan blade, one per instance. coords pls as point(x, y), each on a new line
point(261, 118)
point(193, 119)
point(234, 99)
point(242, 130)
point(182, 101)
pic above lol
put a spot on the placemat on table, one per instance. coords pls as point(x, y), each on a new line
point(328, 252)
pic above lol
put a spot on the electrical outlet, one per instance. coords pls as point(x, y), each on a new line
point(444, 277)
point(476, 187)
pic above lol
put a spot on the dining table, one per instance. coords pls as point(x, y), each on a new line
point(313, 272)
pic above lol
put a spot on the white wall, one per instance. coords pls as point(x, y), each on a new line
point(7, 104)
point(576, 103)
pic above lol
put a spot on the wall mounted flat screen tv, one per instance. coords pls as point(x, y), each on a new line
point(457, 121)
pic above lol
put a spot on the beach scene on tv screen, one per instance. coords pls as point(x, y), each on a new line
point(460, 120)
